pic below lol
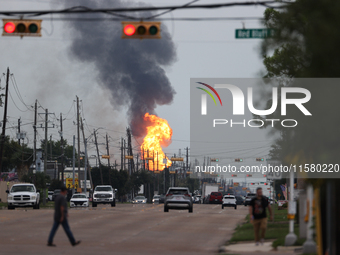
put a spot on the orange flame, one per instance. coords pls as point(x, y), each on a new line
point(159, 134)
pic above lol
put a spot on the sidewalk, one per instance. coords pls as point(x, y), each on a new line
point(250, 248)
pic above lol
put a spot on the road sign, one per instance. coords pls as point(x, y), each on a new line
point(69, 183)
point(254, 33)
point(148, 158)
point(172, 172)
point(156, 172)
point(176, 159)
point(128, 157)
point(106, 156)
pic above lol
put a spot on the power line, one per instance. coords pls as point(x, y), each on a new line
point(84, 9)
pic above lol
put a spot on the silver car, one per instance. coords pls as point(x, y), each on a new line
point(178, 198)
point(156, 199)
point(139, 200)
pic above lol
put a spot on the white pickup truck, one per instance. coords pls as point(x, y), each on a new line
point(104, 194)
point(23, 195)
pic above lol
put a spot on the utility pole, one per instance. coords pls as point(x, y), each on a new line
point(74, 163)
point(52, 154)
point(124, 153)
point(121, 154)
point(35, 134)
point(85, 167)
point(51, 147)
point(131, 162)
point(3, 134)
point(187, 157)
point(108, 159)
point(107, 151)
point(137, 162)
point(19, 136)
point(100, 164)
point(87, 158)
point(45, 156)
point(78, 136)
point(62, 148)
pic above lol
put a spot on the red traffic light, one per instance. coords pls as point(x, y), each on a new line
point(265, 183)
point(129, 30)
point(9, 27)
point(252, 183)
point(141, 29)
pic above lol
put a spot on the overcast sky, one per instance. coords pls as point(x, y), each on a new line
point(44, 70)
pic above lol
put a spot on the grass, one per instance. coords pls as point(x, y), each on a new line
point(275, 230)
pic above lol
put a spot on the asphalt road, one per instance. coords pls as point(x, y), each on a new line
point(124, 229)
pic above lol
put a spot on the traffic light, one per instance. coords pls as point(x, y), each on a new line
point(214, 160)
point(238, 160)
point(234, 175)
point(21, 27)
point(259, 159)
point(265, 183)
point(141, 30)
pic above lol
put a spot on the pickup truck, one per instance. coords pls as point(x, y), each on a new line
point(23, 195)
point(104, 194)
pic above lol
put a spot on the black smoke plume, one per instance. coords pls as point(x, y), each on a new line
point(131, 69)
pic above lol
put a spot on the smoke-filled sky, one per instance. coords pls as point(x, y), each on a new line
point(118, 80)
point(131, 70)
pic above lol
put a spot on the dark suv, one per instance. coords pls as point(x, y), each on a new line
point(215, 198)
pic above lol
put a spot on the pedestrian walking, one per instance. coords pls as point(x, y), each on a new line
point(60, 217)
point(258, 215)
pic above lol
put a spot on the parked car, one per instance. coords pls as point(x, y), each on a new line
point(178, 198)
point(215, 198)
point(239, 200)
point(156, 199)
point(55, 194)
point(104, 194)
point(23, 195)
point(139, 200)
point(198, 199)
point(79, 200)
point(161, 199)
point(249, 197)
point(50, 195)
point(229, 201)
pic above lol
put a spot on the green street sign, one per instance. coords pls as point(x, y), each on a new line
point(254, 33)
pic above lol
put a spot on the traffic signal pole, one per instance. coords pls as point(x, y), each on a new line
point(3, 134)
